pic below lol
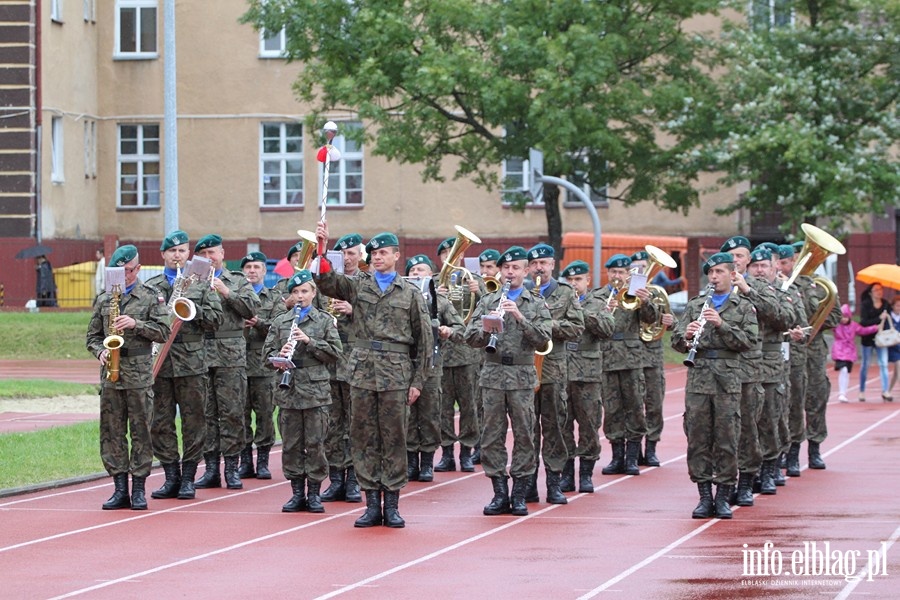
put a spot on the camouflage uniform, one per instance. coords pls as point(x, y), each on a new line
point(818, 388)
point(797, 381)
point(654, 389)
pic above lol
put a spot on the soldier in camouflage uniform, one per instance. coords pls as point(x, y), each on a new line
point(309, 338)
point(508, 379)
point(585, 371)
point(818, 388)
point(181, 385)
point(226, 355)
point(126, 404)
point(719, 325)
point(260, 380)
point(550, 403)
point(388, 365)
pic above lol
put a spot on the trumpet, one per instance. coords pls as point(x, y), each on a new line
point(692, 353)
point(491, 347)
point(618, 285)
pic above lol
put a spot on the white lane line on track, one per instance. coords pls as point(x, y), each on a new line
point(848, 589)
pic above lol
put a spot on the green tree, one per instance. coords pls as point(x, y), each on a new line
point(587, 83)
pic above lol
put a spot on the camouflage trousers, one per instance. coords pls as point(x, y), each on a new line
point(378, 438)
point(783, 394)
point(337, 440)
point(797, 403)
point(187, 397)
point(550, 410)
point(768, 426)
point(818, 389)
point(654, 393)
point(503, 408)
point(260, 400)
point(712, 424)
point(749, 452)
point(303, 442)
point(623, 405)
point(125, 413)
point(225, 410)
point(423, 433)
point(584, 406)
point(458, 386)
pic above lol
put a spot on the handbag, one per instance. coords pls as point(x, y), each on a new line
point(887, 337)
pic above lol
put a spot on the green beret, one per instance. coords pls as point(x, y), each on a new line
point(123, 255)
point(785, 251)
point(208, 241)
point(253, 257)
point(512, 253)
point(760, 254)
point(576, 267)
point(772, 246)
point(541, 251)
point(446, 245)
point(737, 241)
point(798, 246)
point(351, 240)
point(717, 259)
point(176, 238)
point(618, 261)
point(382, 240)
point(640, 255)
point(419, 259)
point(489, 254)
point(299, 278)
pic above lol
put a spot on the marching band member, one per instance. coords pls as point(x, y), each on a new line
point(487, 262)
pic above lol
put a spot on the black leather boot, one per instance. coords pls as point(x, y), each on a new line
point(744, 496)
point(120, 498)
point(262, 462)
point(138, 499)
point(723, 493)
point(169, 488)
point(632, 449)
point(531, 491)
point(767, 478)
point(793, 460)
point(705, 508)
point(232, 481)
point(352, 491)
point(465, 459)
point(188, 471)
point(777, 474)
point(585, 476)
point(650, 458)
point(297, 503)
point(246, 471)
point(336, 489)
point(567, 478)
point(476, 455)
point(426, 466)
point(554, 495)
point(447, 462)
point(500, 502)
point(313, 500)
point(412, 466)
point(616, 466)
point(211, 477)
point(372, 516)
point(517, 502)
point(392, 516)
point(815, 459)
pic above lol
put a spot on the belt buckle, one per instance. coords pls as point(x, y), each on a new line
point(377, 346)
point(618, 336)
point(506, 360)
point(572, 346)
point(712, 354)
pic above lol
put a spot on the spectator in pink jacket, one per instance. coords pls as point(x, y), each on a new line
point(843, 352)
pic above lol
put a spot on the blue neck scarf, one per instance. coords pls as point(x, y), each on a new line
point(581, 298)
point(303, 313)
point(218, 274)
point(719, 299)
point(257, 287)
point(385, 279)
point(129, 288)
point(545, 286)
point(514, 294)
point(170, 274)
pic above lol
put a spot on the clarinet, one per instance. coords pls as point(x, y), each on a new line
point(288, 374)
point(692, 353)
point(491, 347)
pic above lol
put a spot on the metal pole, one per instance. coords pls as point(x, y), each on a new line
point(595, 271)
point(170, 120)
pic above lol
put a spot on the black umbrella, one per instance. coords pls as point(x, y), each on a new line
point(34, 251)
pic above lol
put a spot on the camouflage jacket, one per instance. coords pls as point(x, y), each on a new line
point(568, 325)
point(270, 307)
point(585, 361)
point(817, 346)
point(226, 347)
point(457, 353)
point(797, 293)
point(623, 350)
point(775, 315)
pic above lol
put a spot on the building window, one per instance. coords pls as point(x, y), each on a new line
point(90, 11)
point(138, 165)
point(517, 182)
point(345, 177)
point(281, 164)
point(136, 28)
point(57, 171)
point(56, 9)
point(598, 195)
point(90, 149)
point(271, 45)
point(769, 14)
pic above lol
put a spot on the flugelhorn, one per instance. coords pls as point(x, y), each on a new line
point(454, 277)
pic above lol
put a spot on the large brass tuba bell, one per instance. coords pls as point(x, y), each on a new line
point(307, 250)
point(658, 260)
point(456, 293)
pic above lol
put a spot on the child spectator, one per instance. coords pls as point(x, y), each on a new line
point(843, 352)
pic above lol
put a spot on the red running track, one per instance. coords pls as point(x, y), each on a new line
point(634, 538)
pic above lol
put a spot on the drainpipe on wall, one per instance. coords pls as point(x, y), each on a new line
point(38, 128)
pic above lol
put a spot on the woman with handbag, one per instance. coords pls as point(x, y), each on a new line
point(873, 311)
point(894, 351)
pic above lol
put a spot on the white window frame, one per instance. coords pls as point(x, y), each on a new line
point(57, 151)
point(56, 11)
point(145, 193)
point(138, 53)
point(89, 10)
point(525, 187)
point(269, 53)
point(772, 8)
point(597, 199)
point(339, 174)
point(281, 157)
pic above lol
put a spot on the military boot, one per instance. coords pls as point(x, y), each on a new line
point(335, 490)
point(650, 458)
point(412, 466)
point(632, 449)
point(815, 459)
point(500, 502)
point(353, 494)
point(723, 493)
point(744, 495)
point(778, 475)
point(767, 478)
point(426, 467)
point(585, 476)
point(188, 471)
point(705, 508)
point(518, 507)
point(262, 462)
point(567, 479)
point(476, 455)
point(372, 516)
point(169, 488)
point(120, 498)
point(447, 462)
point(138, 499)
point(313, 500)
point(465, 459)
point(210, 477)
point(531, 491)
point(793, 460)
point(554, 495)
point(616, 466)
point(246, 470)
point(297, 502)
point(232, 481)
point(392, 516)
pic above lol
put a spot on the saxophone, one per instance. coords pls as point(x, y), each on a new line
point(540, 354)
point(114, 341)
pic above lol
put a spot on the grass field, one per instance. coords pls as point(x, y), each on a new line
point(29, 336)
point(50, 454)
point(43, 388)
